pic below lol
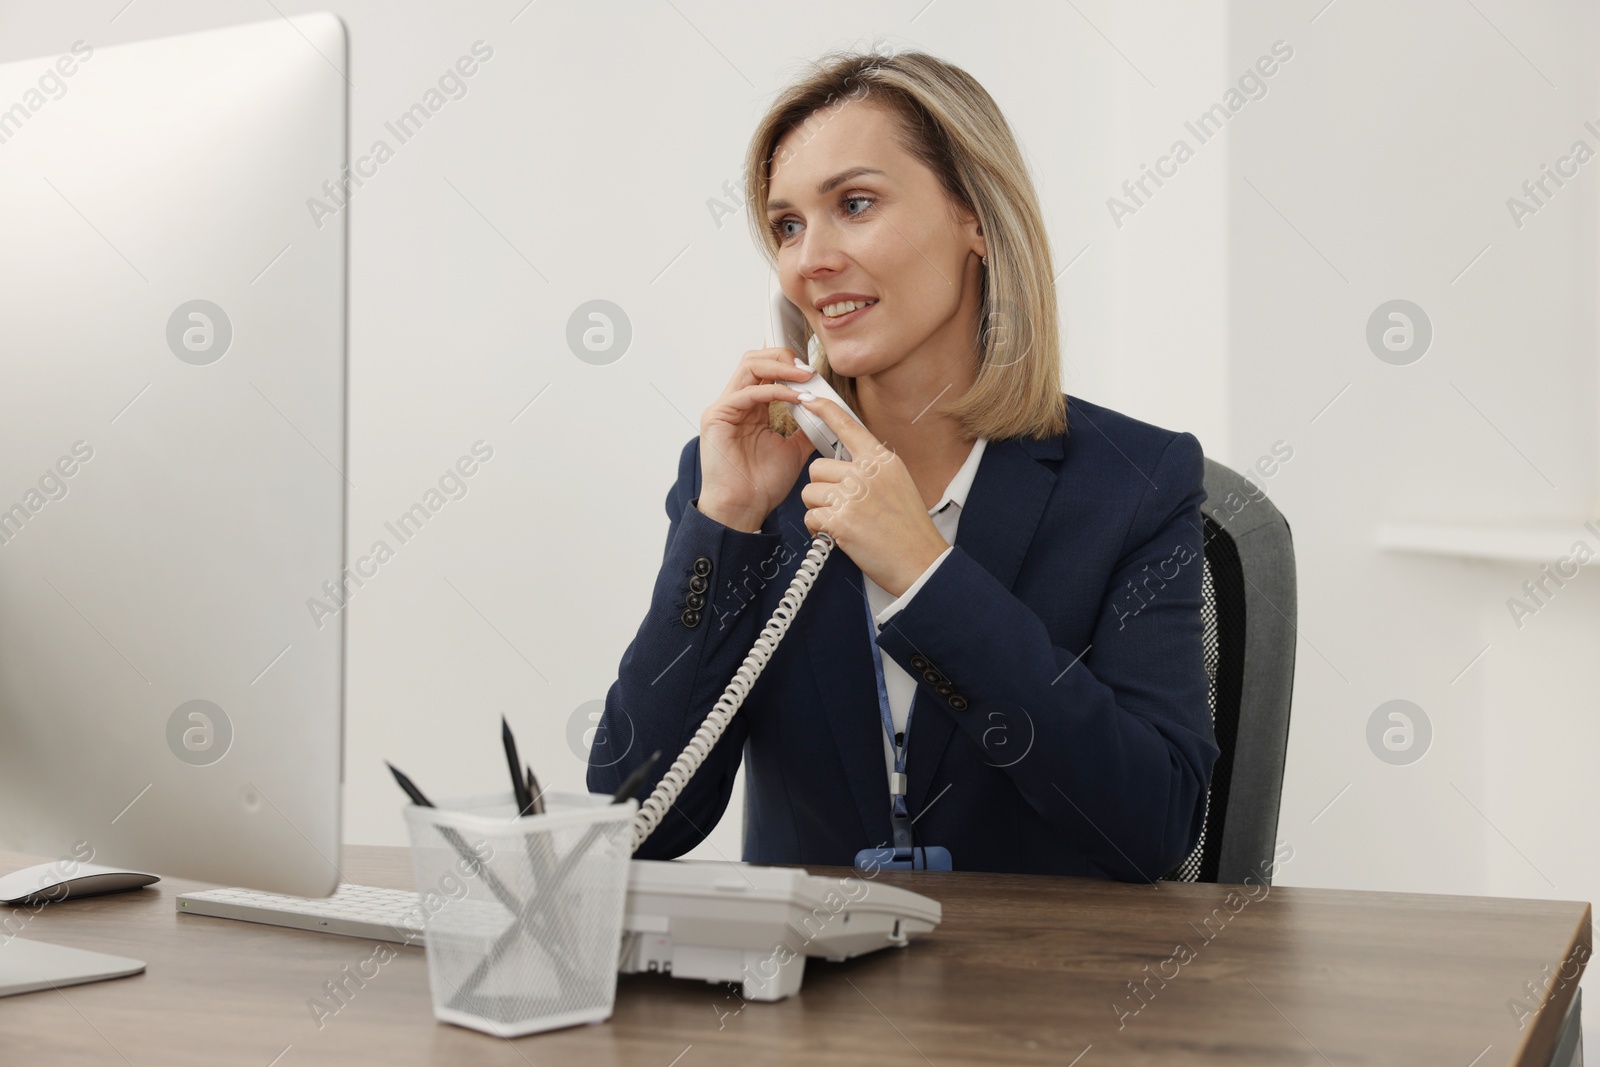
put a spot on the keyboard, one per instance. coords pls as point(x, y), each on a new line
point(364, 911)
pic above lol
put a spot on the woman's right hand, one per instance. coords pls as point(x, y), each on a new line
point(746, 467)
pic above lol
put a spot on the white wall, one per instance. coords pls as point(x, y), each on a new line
point(1387, 152)
point(1166, 359)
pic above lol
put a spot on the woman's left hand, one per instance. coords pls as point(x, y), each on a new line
point(870, 505)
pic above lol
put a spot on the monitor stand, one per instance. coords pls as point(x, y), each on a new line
point(26, 966)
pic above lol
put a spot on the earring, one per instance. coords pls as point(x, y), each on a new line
point(985, 261)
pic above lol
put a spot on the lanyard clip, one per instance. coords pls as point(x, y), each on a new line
point(897, 783)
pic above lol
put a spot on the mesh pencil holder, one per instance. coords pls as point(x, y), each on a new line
point(522, 917)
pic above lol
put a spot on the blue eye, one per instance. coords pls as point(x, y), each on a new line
point(784, 235)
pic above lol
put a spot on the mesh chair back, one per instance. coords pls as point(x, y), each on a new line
point(1248, 615)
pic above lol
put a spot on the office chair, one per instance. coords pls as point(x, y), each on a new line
point(1248, 612)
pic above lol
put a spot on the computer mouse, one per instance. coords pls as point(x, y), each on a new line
point(66, 880)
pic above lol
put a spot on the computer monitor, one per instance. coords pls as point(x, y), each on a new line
point(173, 457)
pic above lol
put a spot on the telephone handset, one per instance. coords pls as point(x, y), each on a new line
point(791, 322)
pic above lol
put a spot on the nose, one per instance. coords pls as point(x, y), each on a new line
point(821, 253)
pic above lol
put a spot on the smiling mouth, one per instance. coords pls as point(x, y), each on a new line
point(833, 322)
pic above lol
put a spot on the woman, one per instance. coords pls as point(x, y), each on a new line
point(1029, 696)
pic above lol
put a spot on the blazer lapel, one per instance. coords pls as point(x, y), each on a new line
point(842, 665)
point(1002, 511)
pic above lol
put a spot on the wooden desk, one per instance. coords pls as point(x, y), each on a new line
point(1023, 970)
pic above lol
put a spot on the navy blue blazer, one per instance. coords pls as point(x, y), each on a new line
point(1060, 723)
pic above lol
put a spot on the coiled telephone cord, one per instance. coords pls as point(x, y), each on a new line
point(666, 792)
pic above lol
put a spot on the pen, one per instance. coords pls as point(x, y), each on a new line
point(524, 791)
point(519, 787)
point(410, 787)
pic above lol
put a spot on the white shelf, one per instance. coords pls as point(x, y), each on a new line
point(1539, 542)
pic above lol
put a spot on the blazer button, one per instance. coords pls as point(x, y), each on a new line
point(702, 566)
point(695, 600)
point(698, 584)
point(690, 617)
point(932, 677)
point(958, 702)
point(944, 689)
point(919, 664)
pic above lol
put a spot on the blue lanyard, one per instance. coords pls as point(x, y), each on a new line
point(899, 815)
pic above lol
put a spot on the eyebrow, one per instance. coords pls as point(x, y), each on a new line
point(827, 186)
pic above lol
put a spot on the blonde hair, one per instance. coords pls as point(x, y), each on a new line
point(952, 125)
